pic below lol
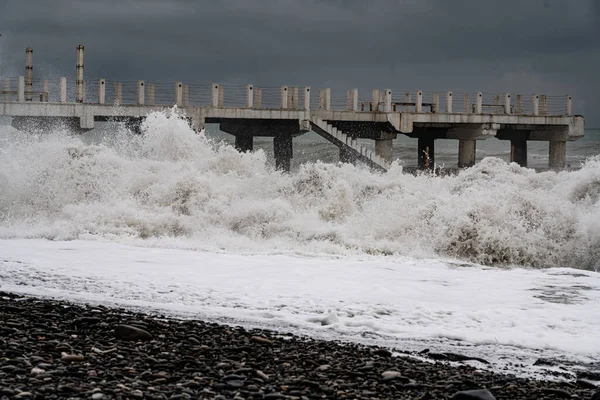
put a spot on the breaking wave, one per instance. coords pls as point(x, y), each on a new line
point(174, 187)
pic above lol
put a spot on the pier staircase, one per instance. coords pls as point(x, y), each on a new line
point(355, 150)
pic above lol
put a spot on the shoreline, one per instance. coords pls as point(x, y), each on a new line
point(61, 349)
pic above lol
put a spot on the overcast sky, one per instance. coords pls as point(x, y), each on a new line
point(517, 46)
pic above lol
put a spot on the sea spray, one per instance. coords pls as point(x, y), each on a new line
point(174, 187)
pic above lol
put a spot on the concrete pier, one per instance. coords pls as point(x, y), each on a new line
point(284, 112)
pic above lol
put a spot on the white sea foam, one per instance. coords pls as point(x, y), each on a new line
point(173, 187)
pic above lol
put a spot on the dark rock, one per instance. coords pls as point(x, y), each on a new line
point(383, 352)
point(586, 384)
point(131, 333)
point(480, 394)
point(596, 396)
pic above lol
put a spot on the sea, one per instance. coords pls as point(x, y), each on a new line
point(497, 260)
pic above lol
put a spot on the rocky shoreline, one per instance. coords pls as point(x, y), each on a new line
point(58, 350)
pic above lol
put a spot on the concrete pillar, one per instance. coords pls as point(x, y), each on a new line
point(375, 100)
point(63, 89)
point(419, 104)
point(436, 103)
point(79, 77)
point(353, 99)
point(21, 90)
point(384, 148)
point(179, 94)
point(328, 99)
point(244, 143)
point(44, 96)
point(282, 146)
point(536, 104)
point(141, 93)
point(293, 98)
point(449, 102)
point(518, 151)
point(101, 91)
point(557, 154)
point(221, 96)
point(569, 105)
point(118, 93)
point(479, 106)
point(507, 103)
point(307, 98)
point(467, 104)
point(28, 74)
point(6, 89)
point(186, 95)
point(519, 104)
point(258, 98)
point(283, 96)
point(426, 153)
point(543, 105)
point(249, 97)
point(214, 96)
point(387, 100)
point(150, 92)
point(466, 153)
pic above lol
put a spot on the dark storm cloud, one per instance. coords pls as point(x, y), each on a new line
point(463, 45)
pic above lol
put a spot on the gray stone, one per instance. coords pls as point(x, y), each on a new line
point(480, 394)
point(128, 332)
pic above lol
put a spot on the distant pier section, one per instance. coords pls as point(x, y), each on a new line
point(285, 112)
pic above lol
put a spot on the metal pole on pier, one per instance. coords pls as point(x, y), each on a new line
point(28, 73)
point(79, 78)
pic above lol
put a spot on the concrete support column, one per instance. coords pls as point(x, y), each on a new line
point(557, 154)
point(353, 99)
point(387, 100)
point(569, 105)
point(307, 98)
point(79, 78)
point(375, 100)
point(28, 74)
point(283, 96)
point(449, 102)
point(426, 153)
point(466, 153)
point(141, 93)
point(244, 143)
point(214, 95)
point(63, 89)
point(21, 90)
point(467, 104)
point(179, 94)
point(186, 95)
point(118, 93)
point(507, 104)
point(518, 151)
point(6, 89)
point(101, 91)
point(519, 104)
point(479, 106)
point(419, 104)
point(249, 96)
point(44, 96)
point(384, 148)
point(536, 104)
point(150, 89)
point(282, 146)
point(436, 103)
point(258, 98)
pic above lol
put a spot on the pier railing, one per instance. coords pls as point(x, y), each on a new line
point(125, 93)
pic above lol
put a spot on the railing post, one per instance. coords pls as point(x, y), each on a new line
point(283, 97)
point(214, 95)
point(293, 98)
point(150, 92)
point(353, 99)
point(186, 95)
point(21, 92)
point(479, 106)
point(141, 93)
point(6, 88)
point(449, 102)
point(569, 105)
point(328, 99)
point(467, 104)
point(543, 105)
point(28, 74)
point(44, 96)
point(436, 103)
point(507, 103)
point(536, 104)
point(258, 98)
point(519, 104)
point(419, 105)
point(101, 91)
point(375, 100)
point(249, 96)
point(79, 79)
point(63, 89)
point(118, 93)
point(408, 99)
point(387, 100)
point(178, 94)
point(307, 98)
point(221, 96)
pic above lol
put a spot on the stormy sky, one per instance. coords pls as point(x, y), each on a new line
point(517, 46)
